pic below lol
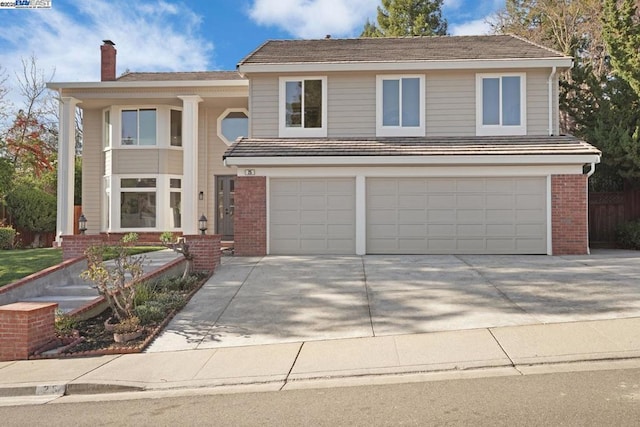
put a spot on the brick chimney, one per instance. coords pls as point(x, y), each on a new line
point(108, 61)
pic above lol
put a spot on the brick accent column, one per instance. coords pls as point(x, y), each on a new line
point(250, 218)
point(205, 250)
point(25, 327)
point(569, 215)
point(73, 246)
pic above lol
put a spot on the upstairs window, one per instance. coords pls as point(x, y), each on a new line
point(303, 106)
point(501, 104)
point(400, 106)
point(138, 127)
point(232, 124)
point(175, 131)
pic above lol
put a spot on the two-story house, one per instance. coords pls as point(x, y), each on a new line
point(425, 145)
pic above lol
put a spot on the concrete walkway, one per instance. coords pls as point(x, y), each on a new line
point(512, 350)
point(76, 292)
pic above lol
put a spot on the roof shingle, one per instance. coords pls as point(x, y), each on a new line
point(423, 146)
point(181, 76)
point(431, 48)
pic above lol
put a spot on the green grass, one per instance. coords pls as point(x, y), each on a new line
point(18, 263)
point(134, 250)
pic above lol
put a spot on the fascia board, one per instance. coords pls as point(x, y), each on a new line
point(413, 160)
point(147, 84)
point(462, 64)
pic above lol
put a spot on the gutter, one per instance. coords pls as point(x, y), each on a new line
point(550, 83)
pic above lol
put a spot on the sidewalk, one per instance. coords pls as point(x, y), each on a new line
point(291, 365)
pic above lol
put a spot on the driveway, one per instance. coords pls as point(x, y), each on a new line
point(278, 299)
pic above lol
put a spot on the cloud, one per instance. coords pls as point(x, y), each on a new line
point(158, 36)
point(471, 28)
point(314, 18)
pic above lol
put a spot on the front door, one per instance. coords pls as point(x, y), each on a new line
point(225, 189)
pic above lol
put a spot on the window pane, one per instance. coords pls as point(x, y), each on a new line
point(411, 102)
point(174, 204)
point(147, 127)
point(107, 129)
point(137, 210)
point(293, 106)
point(138, 183)
point(176, 128)
point(234, 125)
point(129, 127)
point(491, 101)
point(511, 101)
point(390, 103)
point(313, 103)
point(175, 183)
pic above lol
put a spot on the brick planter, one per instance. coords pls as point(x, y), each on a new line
point(73, 246)
point(205, 250)
point(25, 327)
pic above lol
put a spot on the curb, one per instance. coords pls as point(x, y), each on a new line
point(65, 389)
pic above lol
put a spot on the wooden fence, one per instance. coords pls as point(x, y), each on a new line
point(607, 211)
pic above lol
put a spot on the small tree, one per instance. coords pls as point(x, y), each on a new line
point(116, 283)
point(180, 246)
point(32, 209)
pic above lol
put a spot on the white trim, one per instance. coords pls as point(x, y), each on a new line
point(66, 166)
point(549, 217)
point(394, 66)
point(301, 132)
point(575, 159)
point(361, 214)
point(190, 123)
point(147, 84)
point(493, 130)
point(400, 130)
point(222, 116)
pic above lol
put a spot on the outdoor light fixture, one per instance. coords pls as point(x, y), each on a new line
point(202, 224)
point(82, 223)
point(201, 196)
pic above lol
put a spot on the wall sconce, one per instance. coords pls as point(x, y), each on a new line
point(201, 195)
point(82, 223)
point(202, 224)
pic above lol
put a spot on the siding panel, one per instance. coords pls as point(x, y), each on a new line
point(264, 107)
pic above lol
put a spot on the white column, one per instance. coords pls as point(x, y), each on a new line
point(66, 166)
point(190, 190)
point(361, 215)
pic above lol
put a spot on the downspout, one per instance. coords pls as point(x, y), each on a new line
point(592, 169)
point(550, 84)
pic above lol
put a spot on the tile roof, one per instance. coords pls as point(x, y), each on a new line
point(423, 146)
point(181, 76)
point(431, 48)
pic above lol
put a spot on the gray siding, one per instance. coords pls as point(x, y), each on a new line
point(92, 168)
point(351, 105)
point(451, 103)
point(264, 107)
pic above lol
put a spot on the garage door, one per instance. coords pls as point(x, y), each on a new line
point(312, 216)
point(456, 216)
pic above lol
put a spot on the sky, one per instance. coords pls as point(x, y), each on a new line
point(162, 35)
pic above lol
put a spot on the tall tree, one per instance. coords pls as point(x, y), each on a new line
point(397, 18)
point(621, 28)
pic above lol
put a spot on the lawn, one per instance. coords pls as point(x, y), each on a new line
point(18, 263)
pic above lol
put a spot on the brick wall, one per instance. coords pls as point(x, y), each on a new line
point(24, 328)
point(205, 250)
point(73, 246)
point(250, 223)
point(569, 215)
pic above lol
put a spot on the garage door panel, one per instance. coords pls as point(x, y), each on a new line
point(312, 216)
point(462, 215)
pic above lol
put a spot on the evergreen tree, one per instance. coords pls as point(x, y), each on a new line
point(621, 29)
point(397, 18)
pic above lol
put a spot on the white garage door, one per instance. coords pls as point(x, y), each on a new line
point(312, 216)
point(456, 216)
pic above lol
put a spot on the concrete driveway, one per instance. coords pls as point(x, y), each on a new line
point(278, 299)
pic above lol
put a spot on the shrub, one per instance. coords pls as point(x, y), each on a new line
point(131, 324)
point(32, 208)
point(628, 235)
point(145, 292)
point(7, 237)
point(171, 300)
point(64, 324)
point(150, 312)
